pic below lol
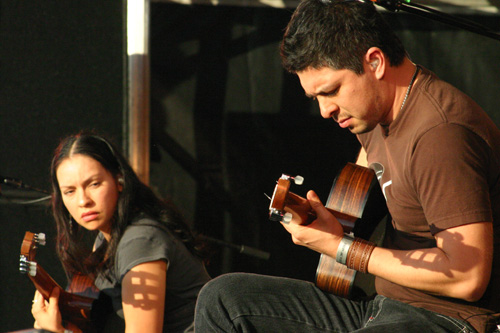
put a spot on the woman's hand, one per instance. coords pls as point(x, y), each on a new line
point(46, 313)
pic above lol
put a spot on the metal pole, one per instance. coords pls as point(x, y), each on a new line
point(138, 86)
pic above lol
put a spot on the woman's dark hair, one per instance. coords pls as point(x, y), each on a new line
point(134, 199)
point(337, 34)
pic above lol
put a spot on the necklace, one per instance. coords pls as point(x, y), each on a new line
point(409, 87)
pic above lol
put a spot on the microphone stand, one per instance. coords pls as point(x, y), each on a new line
point(408, 6)
point(14, 191)
point(243, 249)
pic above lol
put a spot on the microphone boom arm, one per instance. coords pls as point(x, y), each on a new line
point(408, 6)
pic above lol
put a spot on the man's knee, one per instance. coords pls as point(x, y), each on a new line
point(217, 301)
point(216, 290)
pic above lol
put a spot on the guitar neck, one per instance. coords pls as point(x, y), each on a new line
point(73, 307)
point(43, 282)
point(300, 207)
point(347, 202)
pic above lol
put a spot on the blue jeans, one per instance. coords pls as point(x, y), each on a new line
point(241, 302)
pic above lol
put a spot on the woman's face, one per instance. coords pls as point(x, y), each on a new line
point(89, 192)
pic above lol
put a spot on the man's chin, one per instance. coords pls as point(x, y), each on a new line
point(360, 129)
point(357, 130)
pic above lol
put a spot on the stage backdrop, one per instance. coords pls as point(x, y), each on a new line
point(61, 67)
point(227, 121)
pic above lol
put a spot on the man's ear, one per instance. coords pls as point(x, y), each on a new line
point(375, 59)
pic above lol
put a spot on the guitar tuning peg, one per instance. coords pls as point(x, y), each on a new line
point(287, 218)
point(274, 214)
point(23, 264)
point(26, 266)
point(298, 180)
point(40, 238)
point(32, 268)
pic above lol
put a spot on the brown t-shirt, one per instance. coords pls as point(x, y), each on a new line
point(441, 169)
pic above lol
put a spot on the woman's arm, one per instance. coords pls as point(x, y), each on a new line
point(143, 297)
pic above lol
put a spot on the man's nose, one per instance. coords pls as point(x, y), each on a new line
point(327, 108)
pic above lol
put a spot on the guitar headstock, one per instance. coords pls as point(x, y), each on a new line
point(278, 200)
point(31, 241)
point(75, 308)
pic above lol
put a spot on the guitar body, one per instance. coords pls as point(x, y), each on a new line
point(81, 304)
point(355, 200)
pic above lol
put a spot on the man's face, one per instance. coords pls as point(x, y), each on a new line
point(352, 100)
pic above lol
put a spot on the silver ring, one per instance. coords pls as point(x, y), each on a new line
point(34, 301)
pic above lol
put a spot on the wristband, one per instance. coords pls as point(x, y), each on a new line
point(343, 249)
point(359, 255)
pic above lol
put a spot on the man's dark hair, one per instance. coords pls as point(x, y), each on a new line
point(337, 34)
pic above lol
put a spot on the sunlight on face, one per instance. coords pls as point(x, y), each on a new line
point(351, 100)
point(89, 192)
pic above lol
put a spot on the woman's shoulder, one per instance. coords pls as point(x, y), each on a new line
point(143, 240)
point(143, 220)
point(146, 227)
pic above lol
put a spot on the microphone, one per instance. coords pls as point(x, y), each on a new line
point(13, 190)
point(433, 14)
point(392, 5)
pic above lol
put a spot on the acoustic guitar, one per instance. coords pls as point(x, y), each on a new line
point(81, 304)
point(355, 200)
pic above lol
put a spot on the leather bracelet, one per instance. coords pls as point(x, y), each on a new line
point(359, 255)
point(352, 255)
point(343, 249)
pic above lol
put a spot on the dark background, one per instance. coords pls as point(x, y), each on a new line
point(226, 120)
point(61, 70)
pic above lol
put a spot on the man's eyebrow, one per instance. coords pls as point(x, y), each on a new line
point(325, 90)
point(320, 93)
